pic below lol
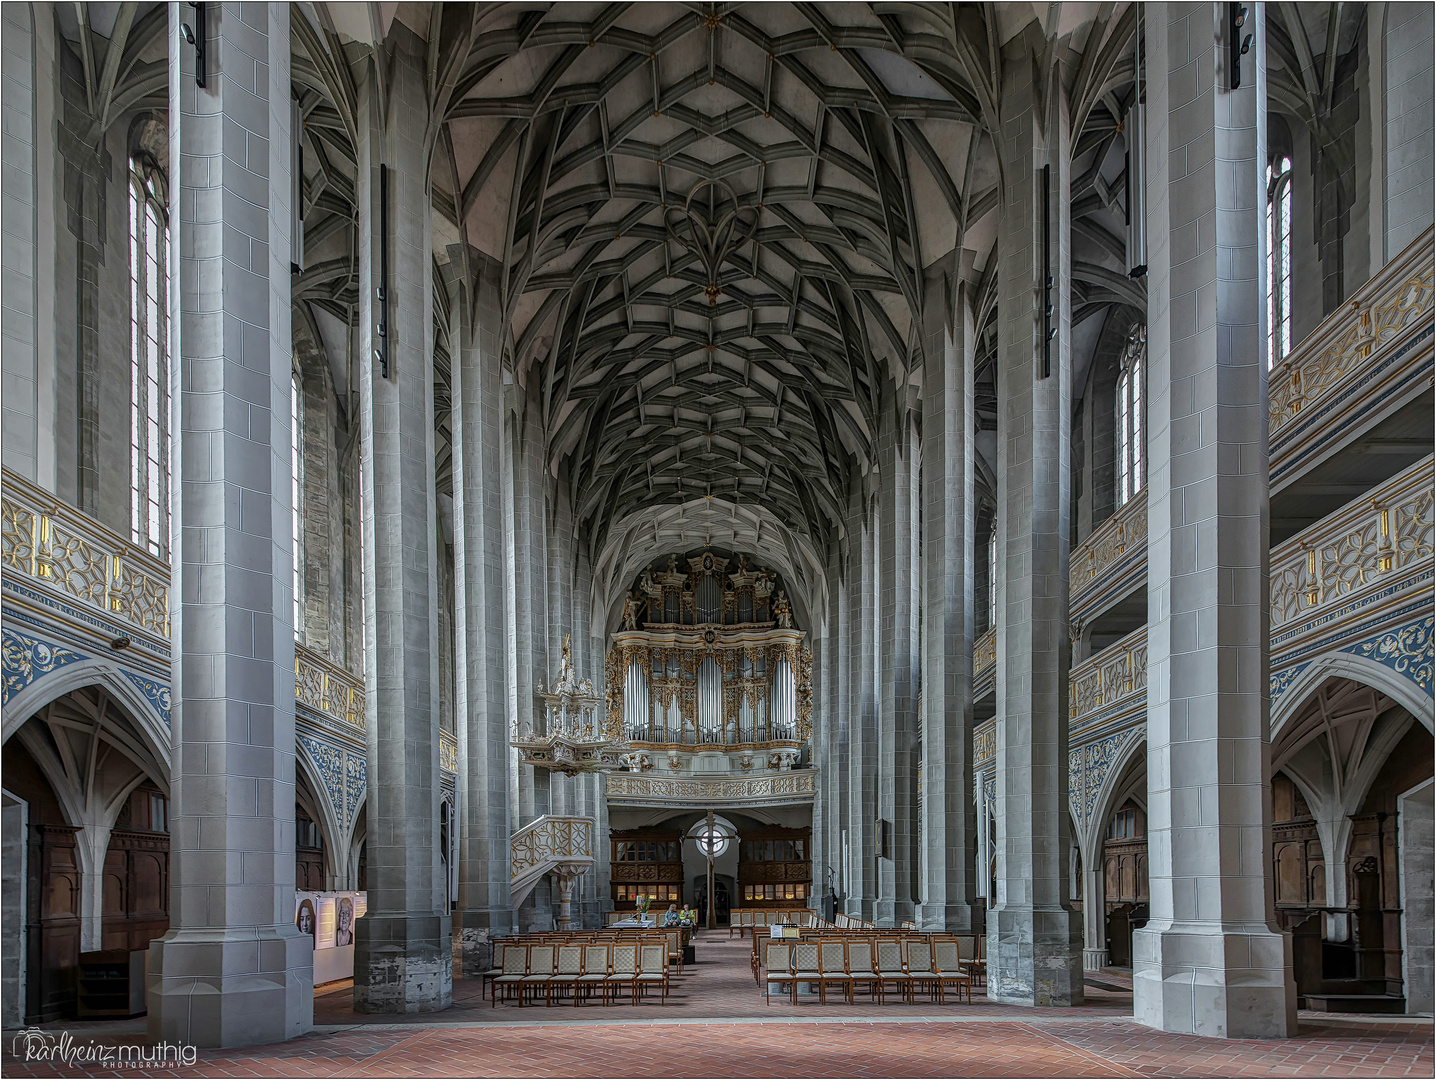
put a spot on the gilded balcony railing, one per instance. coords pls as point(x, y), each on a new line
point(984, 742)
point(1116, 673)
point(328, 689)
point(1397, 297)
point(1374, 537)
point(1107, 557)
point(984, 663)
point(52, 544)
point(797, 786)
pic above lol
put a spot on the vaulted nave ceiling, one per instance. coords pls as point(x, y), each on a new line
point(673, 365)
point(712, 224)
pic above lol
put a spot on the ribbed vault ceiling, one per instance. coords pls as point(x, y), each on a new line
point(578, 137)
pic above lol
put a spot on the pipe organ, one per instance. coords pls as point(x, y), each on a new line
point(705, 657)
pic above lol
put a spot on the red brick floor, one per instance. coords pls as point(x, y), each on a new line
point(716, 1025)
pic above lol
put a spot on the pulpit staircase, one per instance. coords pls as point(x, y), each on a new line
point(561, 846)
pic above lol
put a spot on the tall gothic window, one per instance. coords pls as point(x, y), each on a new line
point(1278, 259)
point(992, 575)
point(149, 364)
point(295, 442)
point(1131, 415)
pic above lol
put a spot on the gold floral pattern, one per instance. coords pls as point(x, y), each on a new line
point(1362, 542)
point(1398, 297)
point(62, 549)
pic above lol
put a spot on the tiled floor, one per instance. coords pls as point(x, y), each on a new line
point(717, 1025)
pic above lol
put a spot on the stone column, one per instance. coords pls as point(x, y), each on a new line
point(948, 433)
point(1036, 957)
point(1208, 962)
point(1094, 913)
point(480, 707)
point(862, 747)
point(896, 662)
point(233, 969)
point(403, 950)
point(92, 844)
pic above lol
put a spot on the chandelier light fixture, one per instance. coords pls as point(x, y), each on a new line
point(577, 736)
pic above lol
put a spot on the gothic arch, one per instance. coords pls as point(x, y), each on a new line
point(1358, 669)
point(1116, 786)
point(115, 681)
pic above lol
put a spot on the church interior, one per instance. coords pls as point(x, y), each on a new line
point(910, 519)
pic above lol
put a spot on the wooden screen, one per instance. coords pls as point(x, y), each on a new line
point(646, 862)
point(774, 869)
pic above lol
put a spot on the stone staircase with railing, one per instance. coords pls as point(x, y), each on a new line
point(561, 846)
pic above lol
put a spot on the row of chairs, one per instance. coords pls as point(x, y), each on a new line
point(749, 920)
point(743, 920)
point(526, 970)
point(674, 938)
point(972, 948)
point(854, 963)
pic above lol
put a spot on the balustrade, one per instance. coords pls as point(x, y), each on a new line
point(1115, 674)
point(1397, 297)
point(1372, 538)
point(54, 545)
point(1108, 563)
point(328, 689)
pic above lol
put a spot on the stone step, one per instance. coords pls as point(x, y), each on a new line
point(1355, 1003)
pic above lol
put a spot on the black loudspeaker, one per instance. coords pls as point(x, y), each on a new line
point(882, 831)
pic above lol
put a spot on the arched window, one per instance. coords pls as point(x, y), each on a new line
point(992, 575)
point(149, 362)
point(295, 488)
point(1278, 259)
point(1131, 415)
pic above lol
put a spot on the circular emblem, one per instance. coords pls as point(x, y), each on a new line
point(709, 636)
point(707, 562)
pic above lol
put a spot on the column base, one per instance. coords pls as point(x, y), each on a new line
point(474, 937)
point(217, 988)
point(949, 918)
point(403, 963)
point(1036, 958)
point(1221, 982)
point(1094, 959)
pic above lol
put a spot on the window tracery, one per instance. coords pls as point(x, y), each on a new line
point(1131, 416)
point(149, 360)
point(1278, 259)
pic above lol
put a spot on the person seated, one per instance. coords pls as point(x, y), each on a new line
point(670, 917)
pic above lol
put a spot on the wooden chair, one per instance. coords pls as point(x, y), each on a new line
point(805, 965)
point(919, 965)
point(862, 969)
point(778, 964)
point(833, 966)
point(540, 971)
point(595, 971)
point(625, 969)
point(947, 965)
point(568, 966)
point(652, 970)
point(890, 969)
point(512, 969)
point(675, 947)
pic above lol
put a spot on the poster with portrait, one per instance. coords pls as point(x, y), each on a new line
point(343, 921)
point(305, 917)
